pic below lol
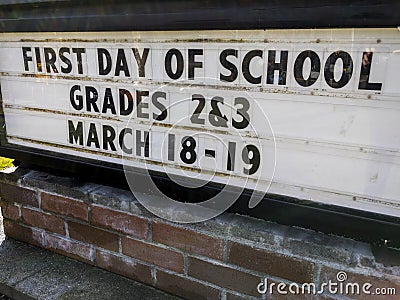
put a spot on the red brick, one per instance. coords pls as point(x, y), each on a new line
point(124, 266)
point(9, 211)
point(119, 221)
point(224, 276)
point(12, 193)
point(290, 296)
point(43, 220)
point(270, 263)
point(69, 248)
point(153, 254)
point(291, 292)
point(22, 233)
point(185, 287)
point(65, 206)
point(94, 236)
point(188, 240)
point(230, 296)
point(386, 281)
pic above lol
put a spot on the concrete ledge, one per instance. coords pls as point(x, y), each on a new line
point(29, 272)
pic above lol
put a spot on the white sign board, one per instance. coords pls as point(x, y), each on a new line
point(312, 114)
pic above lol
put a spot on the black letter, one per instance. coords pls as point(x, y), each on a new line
point(140, 105)
point(108, 102)
point(91, 98)
point(38, 59)
point(124, 111)
point(104, 70)
point(281, 66)
point(159, 105)
point(26, 57)
point(92, 136)
point(141, 61)
point(330, 67)
point(228, 65)
point(50, 59)
point(121, 64)
point(75, 134)
point(192, 63)
point(79, 98)
point(78, 52)
point(65, 60)
point(121, 140)
point(364, 83)
point(315, 68)
point(246, 66)
point(108, 137)
point(142, 143)
point(179, 63)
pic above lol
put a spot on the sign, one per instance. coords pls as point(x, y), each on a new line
point(312, 114)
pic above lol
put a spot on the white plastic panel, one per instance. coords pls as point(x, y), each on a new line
point(328, 138)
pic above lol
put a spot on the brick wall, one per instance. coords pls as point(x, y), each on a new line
point(223, 258)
